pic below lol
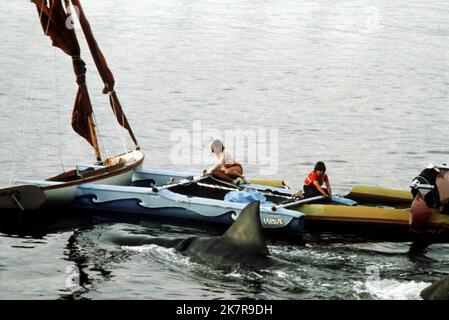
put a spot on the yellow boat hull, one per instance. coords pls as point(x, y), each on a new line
point(369, 194)
point(365, 215)
point(276, 183)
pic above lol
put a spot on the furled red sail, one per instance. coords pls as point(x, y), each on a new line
point(53, 18)
point(103, 70)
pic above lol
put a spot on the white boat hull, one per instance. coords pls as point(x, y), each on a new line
point(65, 195)
point(60, 193)
point(23, 196)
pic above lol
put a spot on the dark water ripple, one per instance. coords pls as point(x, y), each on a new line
point(335, 268)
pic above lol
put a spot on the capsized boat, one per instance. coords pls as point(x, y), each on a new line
point(157, 193)
point(60, 189)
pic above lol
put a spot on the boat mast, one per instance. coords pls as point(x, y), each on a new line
point(93, 136)
point(54, 16)
point(103, 70)
point(90, 117)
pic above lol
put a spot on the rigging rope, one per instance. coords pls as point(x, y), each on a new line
point(119, 127)
point(58, 113)
point(237, 188)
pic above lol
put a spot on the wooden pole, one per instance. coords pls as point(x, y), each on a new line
point(93, 136)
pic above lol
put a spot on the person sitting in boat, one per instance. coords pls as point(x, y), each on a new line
point(314, 181)
point(226, 168)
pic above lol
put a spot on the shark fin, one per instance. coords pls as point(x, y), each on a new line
point(247, 230)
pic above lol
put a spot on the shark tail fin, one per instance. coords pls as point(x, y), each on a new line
point(247, 230)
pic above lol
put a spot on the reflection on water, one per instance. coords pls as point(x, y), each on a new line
point(335, 268)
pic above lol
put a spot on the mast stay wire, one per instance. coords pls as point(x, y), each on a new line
point(58, 112)
point(25, 113)
point(119, 127)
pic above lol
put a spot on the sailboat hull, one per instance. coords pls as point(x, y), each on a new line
point(23, 196)
point(63, 195)
point(58, 193)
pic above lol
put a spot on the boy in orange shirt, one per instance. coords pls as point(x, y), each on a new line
point(314, 181)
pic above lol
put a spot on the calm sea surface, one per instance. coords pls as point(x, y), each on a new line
point(362, 85)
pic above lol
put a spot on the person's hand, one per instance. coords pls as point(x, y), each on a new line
point(298, 194)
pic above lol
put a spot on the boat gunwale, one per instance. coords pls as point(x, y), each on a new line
point(357, 219)
point(104, 175)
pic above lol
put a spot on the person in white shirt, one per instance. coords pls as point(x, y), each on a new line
point(226, 168)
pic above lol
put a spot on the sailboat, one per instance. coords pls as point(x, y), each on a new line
point(60, 190)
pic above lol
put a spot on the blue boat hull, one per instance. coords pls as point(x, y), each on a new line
point(166, 204)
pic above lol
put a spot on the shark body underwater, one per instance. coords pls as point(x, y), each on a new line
point(437, 291)
point(243, 244)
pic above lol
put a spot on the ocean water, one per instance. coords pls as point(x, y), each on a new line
point(360, 85)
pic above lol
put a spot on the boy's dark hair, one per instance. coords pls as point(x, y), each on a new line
point(217, 144)
point(320, 166)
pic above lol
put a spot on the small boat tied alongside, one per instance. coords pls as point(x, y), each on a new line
point(166, 194)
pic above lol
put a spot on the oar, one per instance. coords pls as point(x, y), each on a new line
point(297, 202)
point(182, 182)
point(246, 187)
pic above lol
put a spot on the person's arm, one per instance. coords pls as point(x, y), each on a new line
point(218, 165)
point(212, 169)
point(328, 186)
point(318, 187)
